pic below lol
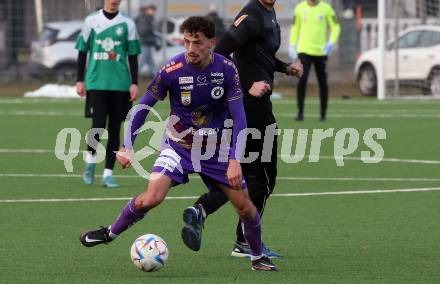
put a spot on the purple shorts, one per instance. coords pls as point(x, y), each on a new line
point(174, 161)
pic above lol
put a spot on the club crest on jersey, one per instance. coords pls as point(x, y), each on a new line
point(119, 31)
point(185, 98)
point(217, 92)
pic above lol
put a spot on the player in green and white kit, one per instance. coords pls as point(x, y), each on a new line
point(109, 37)
point(309, 42)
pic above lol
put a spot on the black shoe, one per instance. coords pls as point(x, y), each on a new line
point(192, 228)
point(263, 264)
point(322, 118)
point(299, 117)
point(95, 237)
point(243, 250)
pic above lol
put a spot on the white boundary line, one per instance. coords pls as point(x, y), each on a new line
point(38, 113)
point(396, 160)
point(409, 179)
point(365, 115)
point(336, 101)
point(27, 151)
point(39, 100)
point(313, 115)
point(359, 102)
point(425, 189)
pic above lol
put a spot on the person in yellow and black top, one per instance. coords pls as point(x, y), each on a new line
point(309, 42)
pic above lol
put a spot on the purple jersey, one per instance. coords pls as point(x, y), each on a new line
point(198, 97)
point(202, 100)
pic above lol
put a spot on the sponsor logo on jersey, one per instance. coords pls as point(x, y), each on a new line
point(205, 131)
point(201, 116)
point(202, 80)
point(216, 74)
point(108, 44)
point(172, 68)
point(169, 160)
point(106, 56)
point(187, 87)
point(186, 80)
point(217, 81)
point(239, 20)
point(185, 98)
point(218, 78)
point(217, 92)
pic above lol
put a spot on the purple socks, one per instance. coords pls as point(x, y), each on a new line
point(252, 233)
point(127, 218)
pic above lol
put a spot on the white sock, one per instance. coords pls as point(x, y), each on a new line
point(110, 233)
point(107, 172)
point(90, 159)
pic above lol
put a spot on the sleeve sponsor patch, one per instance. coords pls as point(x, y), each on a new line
point(174, 67)
point(239, 20)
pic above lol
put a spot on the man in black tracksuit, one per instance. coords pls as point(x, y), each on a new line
point(253, 39)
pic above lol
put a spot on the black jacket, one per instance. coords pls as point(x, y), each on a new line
point(254, 39)
point(218, 22)
point(145, 27)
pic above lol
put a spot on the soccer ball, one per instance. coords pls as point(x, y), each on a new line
point(149, 253)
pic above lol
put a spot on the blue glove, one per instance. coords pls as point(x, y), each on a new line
point(328, 48)
point(292, 52)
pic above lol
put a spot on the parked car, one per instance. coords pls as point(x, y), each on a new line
point(419, 61)
point(53, 54)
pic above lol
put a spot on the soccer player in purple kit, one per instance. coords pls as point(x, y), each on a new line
point(205, 91)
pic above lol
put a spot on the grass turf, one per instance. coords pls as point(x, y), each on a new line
point(374, 238)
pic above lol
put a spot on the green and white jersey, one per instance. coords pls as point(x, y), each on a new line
point(109, 43)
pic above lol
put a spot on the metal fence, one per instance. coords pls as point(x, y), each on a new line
point(22, 22)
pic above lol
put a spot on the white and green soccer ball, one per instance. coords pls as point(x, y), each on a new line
point(149, 253)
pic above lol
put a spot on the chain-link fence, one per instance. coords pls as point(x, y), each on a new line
point(37, 36)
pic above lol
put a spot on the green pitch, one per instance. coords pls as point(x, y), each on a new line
point(332, 235)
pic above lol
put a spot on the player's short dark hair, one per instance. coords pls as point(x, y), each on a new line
point(198, 24)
